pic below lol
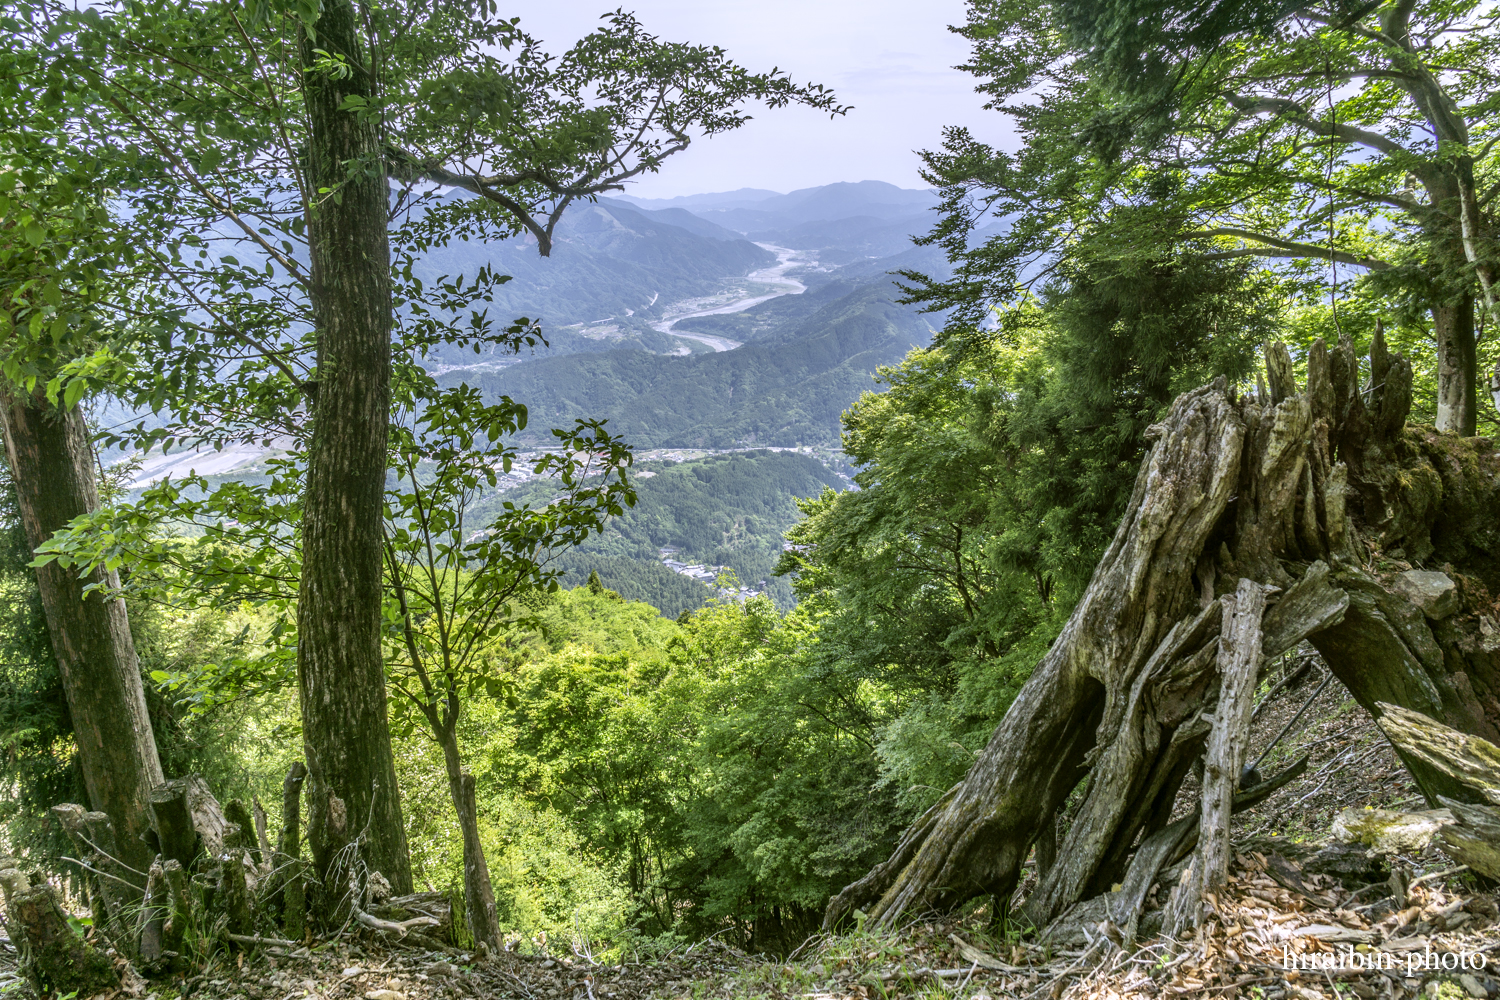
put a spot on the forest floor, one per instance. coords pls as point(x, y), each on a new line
point(1302, 918)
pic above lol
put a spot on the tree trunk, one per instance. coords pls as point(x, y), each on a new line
point(1288, 489)
point(351, 787)
point(1458, 367)
point(479, 893)
point(53, 466)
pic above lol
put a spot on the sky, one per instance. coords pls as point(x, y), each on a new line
point(891, 59)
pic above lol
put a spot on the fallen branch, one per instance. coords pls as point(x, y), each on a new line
point(401, 927)
point(982, 959)
point(262, 941)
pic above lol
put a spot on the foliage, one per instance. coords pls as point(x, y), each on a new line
point(450, 583)
point(698, 760)
point(1344, 140)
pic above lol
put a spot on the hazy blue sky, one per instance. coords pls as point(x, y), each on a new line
point(892, 60)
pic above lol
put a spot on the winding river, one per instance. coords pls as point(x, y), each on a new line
point(775, 275)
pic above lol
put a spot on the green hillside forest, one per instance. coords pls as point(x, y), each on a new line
point(785, 388)
point(725, 510)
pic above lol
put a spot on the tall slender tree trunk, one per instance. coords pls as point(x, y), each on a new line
point(53, 467)
point(351, 786)
point(479, 892)
point(1458, 367)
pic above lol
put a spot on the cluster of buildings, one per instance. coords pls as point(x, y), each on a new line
point(708, 575)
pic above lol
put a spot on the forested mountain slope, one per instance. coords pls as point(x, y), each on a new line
point(744, 211)
point(724, 510)
point(786, 388)
point(608, 259)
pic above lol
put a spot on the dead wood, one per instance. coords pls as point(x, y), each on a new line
point(235, 890)
point(109, 885)
point(188, 820)
point(290, 841)
point(401, 927)
point(154, 909)
point(1474, 839)
point(241, 832)
point(262, 839)
point(54, 959)
point(1301, 492)
point(1468, 765)
point(179, 907)
point(1164, 848)
point(1239, 657)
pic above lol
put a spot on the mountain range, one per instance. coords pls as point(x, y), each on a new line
point(709, 321)
point(703, 328)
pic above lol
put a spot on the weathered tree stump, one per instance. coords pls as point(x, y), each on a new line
point(1238, 662)
point(153, 913)
point(1157, 852)
point(109, 885)
point(188, 819)
point(54, 959)
point(289, 842)
point(1305, 492)
point(242, 827)
point(179, 918)
point(235, 891)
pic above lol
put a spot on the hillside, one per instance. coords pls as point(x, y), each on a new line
point(785, 388)
point(724, 510)
point(750, 211)
point(609, 261)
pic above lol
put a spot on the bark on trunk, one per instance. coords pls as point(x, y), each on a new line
point(479, 893)
point(1458, 367)
point(1295, 490)
point(52, 464)
point(351, 787)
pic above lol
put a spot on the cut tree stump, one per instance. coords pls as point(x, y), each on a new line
point(109, 885)
point(54, 960)
point(188, 819)
point(1296, 491)
point(154, 909)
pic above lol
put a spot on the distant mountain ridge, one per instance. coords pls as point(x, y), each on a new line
point(804, 358)
point(829, 201)
point(612, 266)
